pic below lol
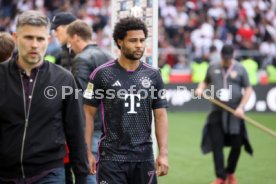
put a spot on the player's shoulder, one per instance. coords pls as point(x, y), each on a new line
point(102, 68)
point(238, 64)
point(150, 68)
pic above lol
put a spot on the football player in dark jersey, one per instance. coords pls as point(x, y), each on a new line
point(127, 91)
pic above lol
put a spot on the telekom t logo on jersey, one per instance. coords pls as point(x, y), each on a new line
point(133, 98)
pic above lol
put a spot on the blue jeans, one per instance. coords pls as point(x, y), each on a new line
point(57, 176)
point(91, 179)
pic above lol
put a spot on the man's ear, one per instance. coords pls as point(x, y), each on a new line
point(120, 42)
point(75, 37)
point(14, 36)
point(49, 38)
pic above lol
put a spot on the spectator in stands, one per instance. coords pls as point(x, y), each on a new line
point(199, 69)
point(182, 64)
point(164, 67)
point(271, 71)
point(251, 66)
point(214, 55)
point(243, 23)
point(268, 47)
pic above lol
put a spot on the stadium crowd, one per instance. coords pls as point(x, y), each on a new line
point(191, 32)
point(96, 13)
point(200, 28)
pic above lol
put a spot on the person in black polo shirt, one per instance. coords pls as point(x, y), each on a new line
point(127, 90)
point(227, 78)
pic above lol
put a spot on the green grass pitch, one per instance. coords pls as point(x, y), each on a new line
point(189, 166)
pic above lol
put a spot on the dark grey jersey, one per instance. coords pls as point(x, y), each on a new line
point(234, 78)
point(126, 99)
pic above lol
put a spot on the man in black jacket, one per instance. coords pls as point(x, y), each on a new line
point(89, 57)
point(59, 24)
point(37, 116)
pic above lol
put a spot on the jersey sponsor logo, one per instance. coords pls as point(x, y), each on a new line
point(88, 93)
point(217, 71)
point(133, 98)
point(117, 83)
point(146, 82)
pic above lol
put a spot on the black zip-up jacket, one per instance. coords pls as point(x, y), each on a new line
point(33, 142)
point(65, 57)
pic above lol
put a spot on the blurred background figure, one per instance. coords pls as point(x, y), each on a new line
point(195, 29)
point(59, 25)
point(205, 26)
point(88, 57)
point(223, 128)
point(64, 58)
point(7, 46)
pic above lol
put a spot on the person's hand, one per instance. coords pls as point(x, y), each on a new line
point(162, 165)
point(92, 163)
point(198, 92)
point(239, 112)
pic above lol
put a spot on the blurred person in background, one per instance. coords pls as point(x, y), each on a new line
point(7, 46)
point(164, 68)
point(88, 57)
point(222, 128)
point(251, 66)
point(271, 71)
point(59, 24)
point(214, 55)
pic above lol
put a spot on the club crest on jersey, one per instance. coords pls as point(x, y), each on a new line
point(146, 82)
point(88, 93)
point(234, 74)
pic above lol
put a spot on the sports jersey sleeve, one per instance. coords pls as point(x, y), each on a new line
point(245, 78)
point(159, 100)
point(92, 95)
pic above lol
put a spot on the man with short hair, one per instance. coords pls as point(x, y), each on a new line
point(223, 128)
point(128, 91)
point(59, 24)
point(88, 57)
point(7, 46)
point(37, 117)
